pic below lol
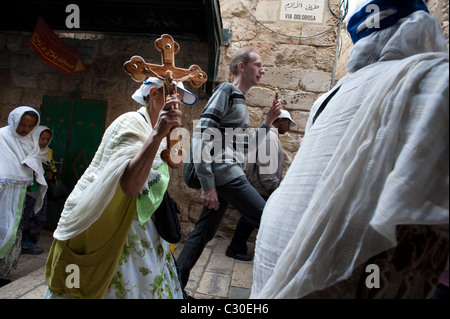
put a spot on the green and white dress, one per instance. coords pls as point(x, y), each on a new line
point(134, 278)
point(146, 268)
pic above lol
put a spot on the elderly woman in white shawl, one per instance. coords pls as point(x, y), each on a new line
point(20, 168)
point(363, 210)
point(105, 230)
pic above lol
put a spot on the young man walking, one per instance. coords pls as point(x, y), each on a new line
point(222, 175)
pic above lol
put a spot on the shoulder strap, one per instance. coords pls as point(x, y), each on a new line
point(143, 117)
point(324, 104)
point(225, 86)
point(221, 85)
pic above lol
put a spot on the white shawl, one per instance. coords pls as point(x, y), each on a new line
point(12, 165)
point(377, 157)
point(121, 142)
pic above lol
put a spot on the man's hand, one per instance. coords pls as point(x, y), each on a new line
point(210, 199)
point(274, 112)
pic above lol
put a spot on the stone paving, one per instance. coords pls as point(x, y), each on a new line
point(218, 276)
point(215, 276)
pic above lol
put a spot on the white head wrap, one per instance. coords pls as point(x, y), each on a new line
point(27, 142)
point(144, 91)
point(43, 153)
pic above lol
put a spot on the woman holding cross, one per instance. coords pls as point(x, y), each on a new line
point(105, 229)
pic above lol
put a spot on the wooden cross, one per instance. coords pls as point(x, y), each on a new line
point(139, 70)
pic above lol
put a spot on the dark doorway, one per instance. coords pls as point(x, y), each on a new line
point(78, 127)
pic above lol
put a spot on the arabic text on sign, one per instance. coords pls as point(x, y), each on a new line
point(307, 10)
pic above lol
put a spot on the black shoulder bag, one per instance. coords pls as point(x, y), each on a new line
point(166, 217)
point(189, 173)
point(166, 220)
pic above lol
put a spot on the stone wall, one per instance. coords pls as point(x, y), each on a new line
point(440, 9)
point(25, 78)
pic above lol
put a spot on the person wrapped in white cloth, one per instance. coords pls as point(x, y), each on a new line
point(370, 184)
point(20, 168)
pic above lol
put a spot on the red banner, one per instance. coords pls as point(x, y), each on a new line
point(54, 51)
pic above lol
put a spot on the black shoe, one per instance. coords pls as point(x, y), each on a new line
point(32, 250)
point(29, 246)
point(186, 296)
point(243, 257)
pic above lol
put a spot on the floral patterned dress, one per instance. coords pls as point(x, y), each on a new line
point(133, 278)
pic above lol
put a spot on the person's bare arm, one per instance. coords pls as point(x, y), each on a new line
point(138, 170)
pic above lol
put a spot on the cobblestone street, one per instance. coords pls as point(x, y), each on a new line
point(215, 276)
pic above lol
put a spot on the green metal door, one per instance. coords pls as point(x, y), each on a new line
point(77, 126)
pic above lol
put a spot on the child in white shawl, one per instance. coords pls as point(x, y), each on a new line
point(33, 221)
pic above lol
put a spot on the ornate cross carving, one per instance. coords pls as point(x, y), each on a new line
point(139, 70)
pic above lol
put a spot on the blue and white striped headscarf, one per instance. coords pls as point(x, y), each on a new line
point(375, 15)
